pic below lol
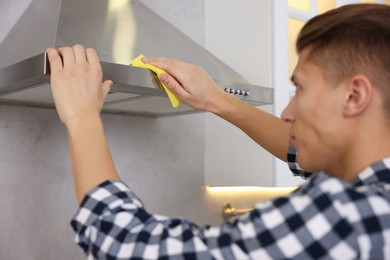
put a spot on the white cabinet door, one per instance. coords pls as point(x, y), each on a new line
point(232, 158)
point(240, 34)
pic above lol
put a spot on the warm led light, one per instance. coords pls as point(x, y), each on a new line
point(249, 189)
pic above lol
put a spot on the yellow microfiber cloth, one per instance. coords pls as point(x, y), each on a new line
point(137, 62)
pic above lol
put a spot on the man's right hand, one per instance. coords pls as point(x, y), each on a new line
point(189, 82)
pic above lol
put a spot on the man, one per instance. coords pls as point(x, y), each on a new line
point(338, 122)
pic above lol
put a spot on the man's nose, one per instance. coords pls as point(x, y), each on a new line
point(288, 112)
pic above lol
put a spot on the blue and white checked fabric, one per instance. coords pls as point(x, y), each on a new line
point(293, 165)
point(326, 218)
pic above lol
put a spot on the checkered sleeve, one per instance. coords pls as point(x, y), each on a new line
point(309, 224)
point(293, 165)
point(111, 223)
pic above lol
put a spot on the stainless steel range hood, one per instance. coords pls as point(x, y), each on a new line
point(119, 30)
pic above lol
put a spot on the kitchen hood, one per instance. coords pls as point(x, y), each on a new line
point(119, 30)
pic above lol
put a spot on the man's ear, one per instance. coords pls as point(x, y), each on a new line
point(358, 95)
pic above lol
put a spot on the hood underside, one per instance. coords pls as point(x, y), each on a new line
point(119, 30)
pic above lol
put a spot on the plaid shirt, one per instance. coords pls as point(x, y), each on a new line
point(326, 218)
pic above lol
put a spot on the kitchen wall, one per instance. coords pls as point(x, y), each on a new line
point(160, 159)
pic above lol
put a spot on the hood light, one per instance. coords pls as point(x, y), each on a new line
point(248, 189)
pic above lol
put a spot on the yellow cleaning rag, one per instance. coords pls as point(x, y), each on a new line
point(137, 62)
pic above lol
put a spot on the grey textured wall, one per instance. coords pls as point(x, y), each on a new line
point(160, 159)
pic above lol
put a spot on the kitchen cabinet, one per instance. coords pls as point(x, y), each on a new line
point(232, 158)
point(251, 37)
point(240, 34)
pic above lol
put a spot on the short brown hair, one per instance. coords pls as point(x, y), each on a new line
point(351, 39)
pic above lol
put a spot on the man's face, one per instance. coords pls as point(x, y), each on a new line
point(316, 117)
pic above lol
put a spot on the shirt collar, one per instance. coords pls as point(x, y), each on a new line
point(376, 172)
